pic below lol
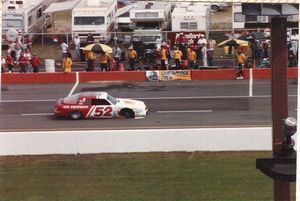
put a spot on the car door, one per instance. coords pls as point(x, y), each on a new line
point(100, 108)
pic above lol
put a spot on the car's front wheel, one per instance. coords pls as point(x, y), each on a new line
point(127, 113)
point(76, 115)
point(214, 8)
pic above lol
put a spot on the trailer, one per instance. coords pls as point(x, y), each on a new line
point(192, 19)
point(96, 17)
point(149, 20)
point(24, 16)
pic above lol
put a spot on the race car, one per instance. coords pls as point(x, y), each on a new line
point(98, 105)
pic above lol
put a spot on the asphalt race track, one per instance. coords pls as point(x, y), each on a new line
point(172, 104)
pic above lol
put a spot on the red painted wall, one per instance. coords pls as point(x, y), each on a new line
point(58, 77)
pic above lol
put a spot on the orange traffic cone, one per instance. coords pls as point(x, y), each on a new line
point(121, 67)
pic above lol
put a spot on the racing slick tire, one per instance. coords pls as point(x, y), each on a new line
point(127, 113)
point(76, 115)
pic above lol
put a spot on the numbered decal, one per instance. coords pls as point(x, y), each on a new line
point(99, 111)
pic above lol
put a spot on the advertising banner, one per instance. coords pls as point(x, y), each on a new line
point(168, 75)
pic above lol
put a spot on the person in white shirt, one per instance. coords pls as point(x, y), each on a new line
point(202, 40)
point(117, 55)
point(64, 49)
point(204, 54)
point(77, 46)
point(295, 43)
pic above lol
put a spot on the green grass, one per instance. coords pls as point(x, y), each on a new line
point(145, 177)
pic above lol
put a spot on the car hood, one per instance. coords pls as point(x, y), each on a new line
point(130, 103)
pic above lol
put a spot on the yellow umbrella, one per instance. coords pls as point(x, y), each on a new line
point(98, 48)
point(233, 42)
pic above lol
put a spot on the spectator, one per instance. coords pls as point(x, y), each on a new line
point(89, 55)
point(77, 46)
point(202, 40)
point(204, 54)
point(295, 43)
point(27, 42)
point(23, 63)
point(117, 55)
point(210, 55)
point(265, 63)
point(241, 60)
point(12, 50)
point(90, 39)
point(67, 64)
point(27, 54)
point(291, 56)
point(177, 57)
point(3, 64)
point(104, 61)
point(9, 60)
point(64, 49)
point(192, 58)
point(35, 63)
point(163, 57)
point(132, 56)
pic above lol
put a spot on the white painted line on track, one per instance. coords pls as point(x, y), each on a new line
point(75, 85)
point(37, 114)
point(185, 111)
point(251, 83)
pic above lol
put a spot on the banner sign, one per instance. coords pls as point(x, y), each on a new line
point(168, 75)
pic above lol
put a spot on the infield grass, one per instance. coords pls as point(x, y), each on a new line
point(136, 177)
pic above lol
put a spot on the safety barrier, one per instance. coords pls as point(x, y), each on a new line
point(59, 77)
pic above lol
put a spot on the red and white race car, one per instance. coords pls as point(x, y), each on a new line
point(98, 105)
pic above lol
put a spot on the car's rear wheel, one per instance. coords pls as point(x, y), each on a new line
point(127, 113)
point(76, 115)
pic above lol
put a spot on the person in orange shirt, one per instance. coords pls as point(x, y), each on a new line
point(163, 57)
point(67, 64)
point(177, 56)
point(132, 56)
point(192, 58)
point(104, 62)
point(89, 55)
point(241, 60)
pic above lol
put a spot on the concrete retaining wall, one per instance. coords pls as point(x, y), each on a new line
point(120, 141)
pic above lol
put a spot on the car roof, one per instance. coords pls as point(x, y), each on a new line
point(94, 94)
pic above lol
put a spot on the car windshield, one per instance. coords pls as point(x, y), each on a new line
point(71, 99)
point(112, 99)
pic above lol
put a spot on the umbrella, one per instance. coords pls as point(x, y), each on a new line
point(233, 42)
point(98, 48)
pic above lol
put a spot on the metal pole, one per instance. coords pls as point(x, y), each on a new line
point(279, 95)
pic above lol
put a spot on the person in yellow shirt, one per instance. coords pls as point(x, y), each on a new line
point(192, 58)
point(89, 55)
point(241, 60)
point(177, 57)
point(163, 57)
point(132, 56)
point(104, 62)
point(67, 64)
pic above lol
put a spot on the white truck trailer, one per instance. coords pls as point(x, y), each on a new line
point(96, 17)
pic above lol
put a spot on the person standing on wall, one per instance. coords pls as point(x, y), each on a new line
point(192, 58)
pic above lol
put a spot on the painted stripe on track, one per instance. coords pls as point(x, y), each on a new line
point(185, 111)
